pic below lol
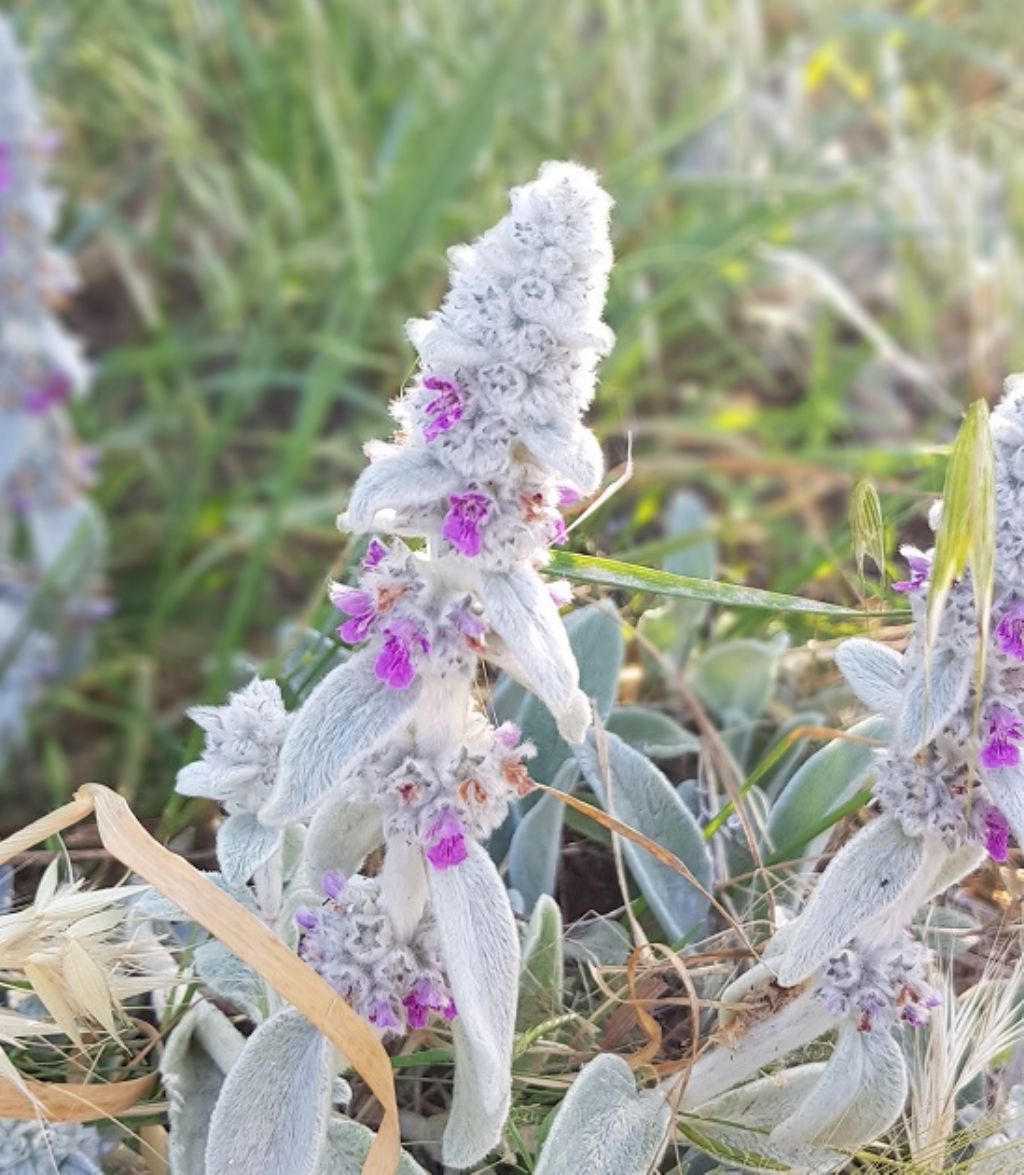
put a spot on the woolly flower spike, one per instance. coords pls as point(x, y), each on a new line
point(237, 769)
point(951, 787)
point(948, 774)
point(351, 941)
point(243, 742)
point(44, 471)
point(879, 986)
point(389, 745)
point(491, 443)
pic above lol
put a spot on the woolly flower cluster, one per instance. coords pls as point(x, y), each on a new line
point(950, 783)
point(954, 770)
point(48, 528)
point(879, 985)
point(394, 984)
point(243, 741)
point(27, 1148)
point(389, 760)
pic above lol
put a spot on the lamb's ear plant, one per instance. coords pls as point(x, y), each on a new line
point(947, 782)
point(391, 761)
point(51, 536)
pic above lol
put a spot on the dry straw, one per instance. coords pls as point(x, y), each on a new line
point(242, 933)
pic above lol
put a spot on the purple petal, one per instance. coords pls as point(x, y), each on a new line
point(462, 523)
point(383, 1015)
point(446, 842)
point(375, 552)
point(997, 835)
point(394, 664)
point(1010, 632)
point(357, 629)
point(307, 919)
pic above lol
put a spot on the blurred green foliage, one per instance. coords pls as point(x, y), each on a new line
point(259, 194)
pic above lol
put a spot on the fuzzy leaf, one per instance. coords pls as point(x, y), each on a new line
point(674, 626)
point(739, 1056)
point(735, 1126)
point(831, 776)
point(243, 845)
point(399, 478)
point(595, 638)
point(347, 1145)
point(272, 1112)
point(874, 672)
point(735, 678)
point(652, 733)
point(953, 868)
point(604, 1126)
point(573, 453)
point(348, 714)
point(341, 836)
point(535, 848)
point(930, 697)
point(520, 610)
point(858, 1096)
point(480, 948)
point(542, 973)
point(192, 1081)
point(230, 979)
point(473, 1129)
point(645, 800)
point(869, 875)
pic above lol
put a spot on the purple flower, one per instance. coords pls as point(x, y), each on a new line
point(445, 410)
point(469, 623)
point(332, 883)
point(568, 495)
point(359, 605)
point(54, 390)
point(394, 664)
point(508, 734)
point(307, 919)
point(6, 166)
point(382, 1014)
point(445, 842)
point(1004, 732)
point(425, 998)
point(559, 535)
point(914, 1015)
point(1010, 631)
point(462, 522)
point(375, 552)
point(997, 835)
point(920, 566)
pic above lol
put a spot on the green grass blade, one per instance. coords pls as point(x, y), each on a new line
point(612, 573)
